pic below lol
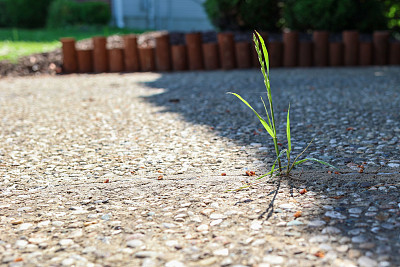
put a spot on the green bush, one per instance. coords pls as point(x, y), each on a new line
point(393, 15)
point(23, 13)
point(334, 15)
point(70, 13)
point(3, 14)
point(243, 14)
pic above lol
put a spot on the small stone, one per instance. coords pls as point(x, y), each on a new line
point(342, 248)
point(25, 226)
point(295, 223)
point(258, 242)
point(21, 244)
point(216, 216)
point(134, 243)
point(89, 223)
point(207, 212)
point(227, 262)
point(319, 239)
point(37, 240)
point(335, 215)
point(216, 222)
point(375, 230)
point(393, 165)
point(149, 262)
point(16, 222)
point(355, 210)
point(43, 223)
point(146, 254)
point(325, 247)
point(256, 144)
point(202, 227)
point(169, 225)
point(255, 225)
point(57, 223)
point(287, 206)
point(180, 215)
point(367, 245)
point(66, 242)
point(172, 243)
point(331, 230)
point(106, 217)
point(364, 261)
point(174, 263)
point(272, 259)
point(221, 252)
point(353, 253)
point(316, 223)
point(387, 226)
point(207, 261)
point(77, 233)
point(293, 233)
point(344, 240)
point(68, 262)
point(281, 224)
point(358, 239)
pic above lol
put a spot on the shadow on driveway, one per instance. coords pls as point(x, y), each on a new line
point(349, 110)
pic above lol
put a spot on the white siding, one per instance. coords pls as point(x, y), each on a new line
point(172, 15)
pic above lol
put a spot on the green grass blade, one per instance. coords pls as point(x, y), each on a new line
point(288, 131)
point(263, 64)
point(316, 160)
point(277, 159)
point(269, 173)
point(266, 111)
point(299, 155)
point(263, 122)
point(264, 49)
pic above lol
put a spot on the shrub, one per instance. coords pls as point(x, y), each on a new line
point(334, 15)
point(3, 14)
point(243, 14)
point(23, 13)
point(69, 13)
point(393, 15)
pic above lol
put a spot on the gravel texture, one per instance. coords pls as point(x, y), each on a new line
point(133, 170)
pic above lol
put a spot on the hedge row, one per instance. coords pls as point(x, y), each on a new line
point(302, 15)
point(23, 13)
point(53, 13)
point(66, 13)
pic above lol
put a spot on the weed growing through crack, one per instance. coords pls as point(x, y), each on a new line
point(270, 123)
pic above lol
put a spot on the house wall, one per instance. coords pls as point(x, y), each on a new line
point(172, 15)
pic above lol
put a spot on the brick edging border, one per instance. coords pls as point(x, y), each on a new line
point(227, 54)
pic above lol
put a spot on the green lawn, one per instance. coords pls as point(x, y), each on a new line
point(15, 43)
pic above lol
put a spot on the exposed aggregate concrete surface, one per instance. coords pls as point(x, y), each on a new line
point(133, 170)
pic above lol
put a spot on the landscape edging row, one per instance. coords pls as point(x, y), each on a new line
point(227, 54)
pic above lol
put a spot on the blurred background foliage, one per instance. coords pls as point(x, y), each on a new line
point(304, 15)
point(243, 15)
point(30, 14)
point(270, 15)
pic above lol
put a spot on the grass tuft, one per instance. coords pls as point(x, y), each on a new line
point(270, 123)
